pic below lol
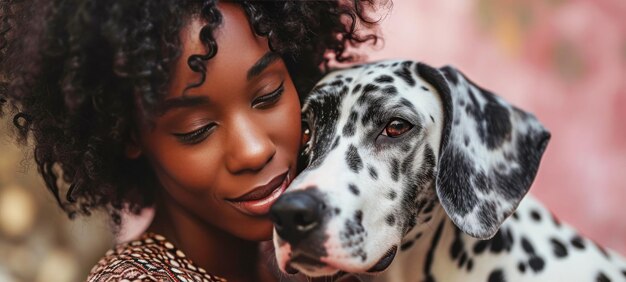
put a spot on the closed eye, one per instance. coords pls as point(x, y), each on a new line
point(271, 98)
point(195, 136)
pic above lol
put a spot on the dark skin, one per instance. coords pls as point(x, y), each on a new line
point(243, 135)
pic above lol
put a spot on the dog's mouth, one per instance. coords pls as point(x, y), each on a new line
point(316, 267)
point(309, 266)
point(385, 261)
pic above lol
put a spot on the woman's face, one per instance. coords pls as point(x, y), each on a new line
point(224, 153)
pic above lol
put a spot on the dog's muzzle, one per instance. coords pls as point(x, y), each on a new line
point(296, 215)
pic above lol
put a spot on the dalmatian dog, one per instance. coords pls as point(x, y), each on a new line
point(421, 167)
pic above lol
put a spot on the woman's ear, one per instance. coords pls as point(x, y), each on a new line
point(133, 149)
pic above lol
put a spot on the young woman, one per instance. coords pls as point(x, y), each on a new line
point(188, 106)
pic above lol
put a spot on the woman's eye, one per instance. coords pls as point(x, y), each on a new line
point(270, 98)
point(195, 136)
point(396, 127)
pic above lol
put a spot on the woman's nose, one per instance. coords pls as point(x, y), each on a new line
point(250, 147)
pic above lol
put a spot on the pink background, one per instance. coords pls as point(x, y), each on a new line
point(563, 60)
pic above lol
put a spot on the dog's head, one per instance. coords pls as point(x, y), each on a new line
point(389, 141)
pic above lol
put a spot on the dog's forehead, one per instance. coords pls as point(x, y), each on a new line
point(384, 78)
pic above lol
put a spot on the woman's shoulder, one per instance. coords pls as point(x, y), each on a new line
point(149, 258)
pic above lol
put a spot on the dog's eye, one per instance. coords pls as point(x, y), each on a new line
point(397, 127)
point(306, 133)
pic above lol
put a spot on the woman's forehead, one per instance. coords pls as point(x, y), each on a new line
point(238, 49)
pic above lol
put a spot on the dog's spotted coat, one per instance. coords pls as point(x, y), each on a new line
point(447, 196)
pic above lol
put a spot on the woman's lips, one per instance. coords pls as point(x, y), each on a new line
point(258, 201)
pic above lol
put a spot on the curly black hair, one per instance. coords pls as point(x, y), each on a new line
point(74, 72)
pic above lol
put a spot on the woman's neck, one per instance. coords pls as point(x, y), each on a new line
point(214, 250)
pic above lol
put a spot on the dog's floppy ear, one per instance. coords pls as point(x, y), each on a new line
point(489, 153)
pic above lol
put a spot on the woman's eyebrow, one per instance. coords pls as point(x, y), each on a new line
point(261, 64)
point(182, 102)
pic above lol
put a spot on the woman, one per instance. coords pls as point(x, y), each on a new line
point(190, 106)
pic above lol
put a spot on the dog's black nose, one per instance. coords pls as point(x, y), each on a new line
point(296, 214)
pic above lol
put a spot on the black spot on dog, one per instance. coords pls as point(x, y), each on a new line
point(480, 246)
point(462, 260)
point(354, 159)
point(374, 110)
point(521, 267)
point(456, 248)
point(499, 125)
point(337, 211)
point(395, 170)
point(467, 140)
point(430, 254)
point(349, 79)
point(501, 241)
point(528, 248)
point(560, 251)
point(450, 74)
point(410, 224)
point(470, 265)
point(392, 195)
point(515, 216)
point(358, 216)
point(394, 64)
point(405, 74)
point(356, 89)
point(498, 242)
point(390, 219)
point(369, 72)
point(336, 83)
point(344, 90)
point(601, 277)
point(493, 124)
point(353, 235)
point(432, 118)
point(535, 215)
point(424, 88)
point(373, 173)
point(405, 147)
point(406, 103)
point(624, 272)
point(578, 242)
point(407, 163)
point(536, 263)
point(390, 90)
point(354, 189)
point(350, 127)
point(384, 79)
point(429, 207)
point(496, 276)
point(406, 245)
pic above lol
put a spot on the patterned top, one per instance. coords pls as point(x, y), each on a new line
point(149, 258)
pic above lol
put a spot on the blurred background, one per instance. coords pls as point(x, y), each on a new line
point(564, 60)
